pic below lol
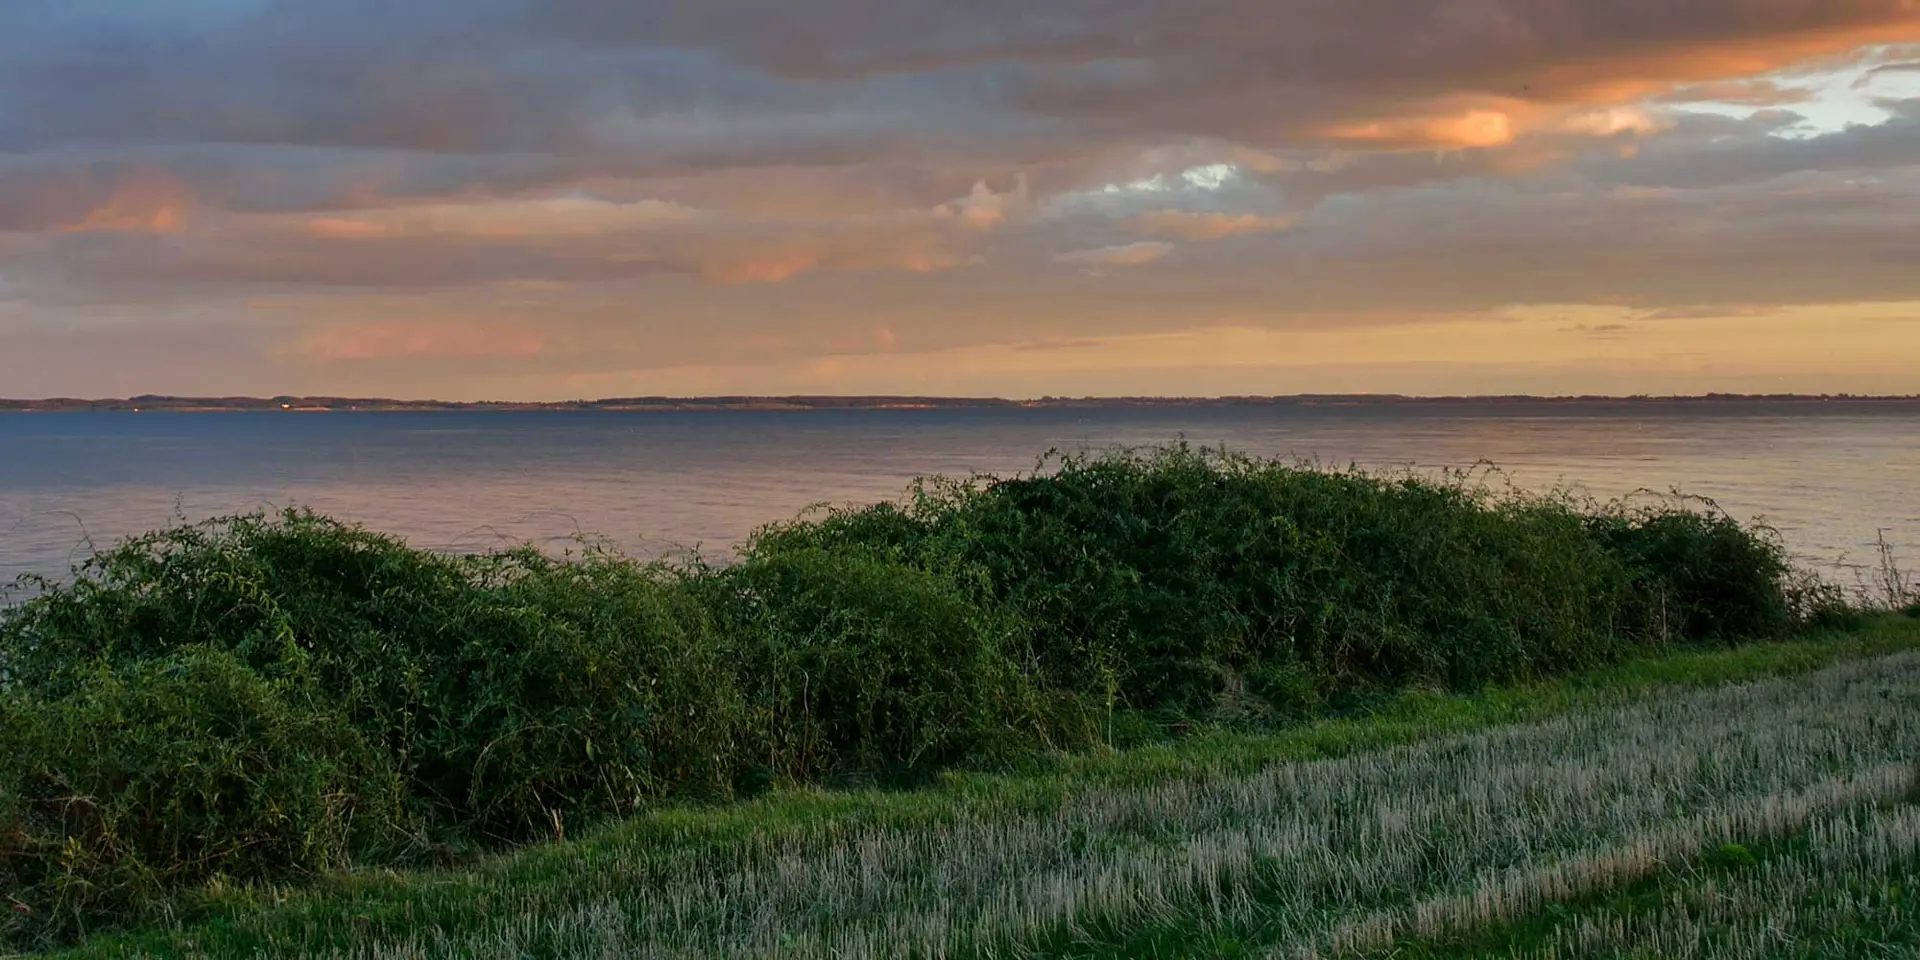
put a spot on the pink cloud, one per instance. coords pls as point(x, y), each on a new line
point(389, 339)
point(138, 202)
point(1206, 226)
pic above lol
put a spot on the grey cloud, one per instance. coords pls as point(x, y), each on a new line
point(1688, 162)
point(679, 83)
point(1867, 79)
point(273, 106)
point(1242, 69)
point(285, 253)
point(1701, 151)
point(1814, 237)
point(1752, 93)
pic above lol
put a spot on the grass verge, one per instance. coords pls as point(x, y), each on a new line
point(1849, 886)
point(1217, 845)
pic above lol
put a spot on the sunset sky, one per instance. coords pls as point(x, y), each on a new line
point(551, 199)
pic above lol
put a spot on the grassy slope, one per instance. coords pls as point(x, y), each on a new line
point(543, 900)
point(1837, 891)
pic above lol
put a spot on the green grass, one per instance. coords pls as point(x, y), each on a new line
point(1144, 852)
point(1849, 886)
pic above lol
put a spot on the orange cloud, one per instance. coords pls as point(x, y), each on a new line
point(138, 203)
point(1642, 75)
point(670, 236)
point(334, 228)
point(1467, 129)
point(1495, 122)
point(390, 339)
point(550, 218)
point(1596, 96)
point(1206, 226)
point(778, 266)
point(915, 247)
point(769, 269)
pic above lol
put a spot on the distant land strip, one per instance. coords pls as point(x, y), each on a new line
point(377, 404)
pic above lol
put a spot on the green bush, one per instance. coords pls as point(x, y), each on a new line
point(854, 665)
point(1700, 576)
point(263, 697)
point(510, 690)
point(1177, 573)
point(584, 688)
point(171, 773)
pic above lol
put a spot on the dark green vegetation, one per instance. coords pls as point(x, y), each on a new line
point(530, 901)
point(262, 699)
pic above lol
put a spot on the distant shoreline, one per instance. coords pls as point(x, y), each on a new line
point(287, 404)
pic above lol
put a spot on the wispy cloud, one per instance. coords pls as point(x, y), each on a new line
point(413, 339)
point(1207, 226)
point(1122, 255)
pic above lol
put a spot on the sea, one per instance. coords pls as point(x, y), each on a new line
point(1835, 479)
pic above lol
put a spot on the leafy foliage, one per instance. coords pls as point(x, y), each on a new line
point(853, 664)
point(330, 695)
point(1181, 576)
point(173, 772)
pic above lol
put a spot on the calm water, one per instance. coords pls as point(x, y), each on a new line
point(1829, 477)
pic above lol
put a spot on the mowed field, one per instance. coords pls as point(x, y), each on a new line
point(1758, 802)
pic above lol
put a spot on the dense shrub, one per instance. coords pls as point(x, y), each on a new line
point(171, 772)
point(581, 688)
point(263, 697)
point(853, 664)
point(1700, 576)
point(1185, 574)
point(507, 689)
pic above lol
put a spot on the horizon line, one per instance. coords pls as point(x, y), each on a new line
point(331, 402)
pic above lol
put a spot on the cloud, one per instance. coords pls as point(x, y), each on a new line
point(753, 261)
point(1380, 72)
point(1599, 331)
point(1704, 311)
point(412, 339)
point(567, 89)
point(1469, 128)
point(1746, 93)
point(1867, 79)
point(551, 218)
point(100, 198)
point(1083, 343)
point(485, 244)
point(984, 209)
point(1710, 152)
point(1206, 226)
point(1122, 255)
point(837, 163)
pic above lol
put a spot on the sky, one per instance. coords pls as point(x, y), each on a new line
point(559, 199)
